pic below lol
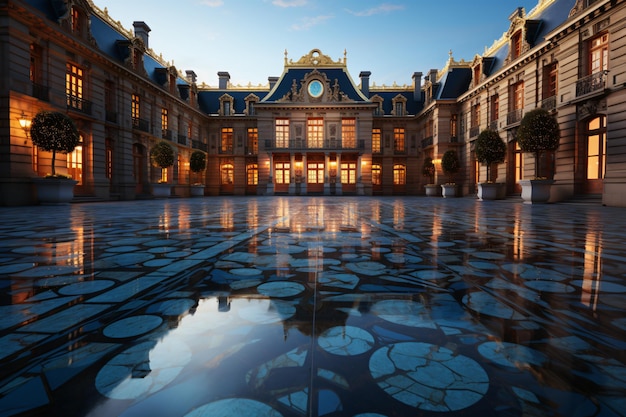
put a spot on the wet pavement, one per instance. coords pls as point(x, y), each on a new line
point(313, 306)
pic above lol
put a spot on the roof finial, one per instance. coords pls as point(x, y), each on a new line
point(345, 56)
point(286, 55)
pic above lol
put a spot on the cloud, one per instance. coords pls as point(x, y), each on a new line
point(309, 22)
point(289, 3)
point(383, 8)
point(212, 3)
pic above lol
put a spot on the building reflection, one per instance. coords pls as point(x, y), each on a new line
point(592, 269)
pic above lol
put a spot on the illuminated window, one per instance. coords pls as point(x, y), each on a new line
point(315, 173)
point(228, 174)
point(282, 133)
point(281, 172)
point(376, 140)
point(348, 172)
point(74, 86)
point(252, 171)
point(376, 174)
point(453, 126)
point(108, 158)
point(75, 162)
point(77, 21)
point(519, 163)
point(135, 107)
point(227, 140)
point(348, 133)
point(398, 139)
point(315, 132)
point(164, 122)
point(399, 174)
point(596, 148)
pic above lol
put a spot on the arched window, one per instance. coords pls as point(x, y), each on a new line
point(376, 174)
point(228, 174)
point(252, 174)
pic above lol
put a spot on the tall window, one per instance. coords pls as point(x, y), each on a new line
point(376, 174)
point(453, 127)
point(519, 163)
point(348, 133)
point(253, 141)
point(477, 72)
point(399, 174)
point(550, 78)
point(399, 108)
point(77, 21)
point(282, 133)
point(518, 95)
point(596, 148)
point(315, 173)
point(476, 116)
point(281, 172)
point(516, 44)
point(228, 174)
point(398, 139)
point(75, 162)
point(74, 86)
point(135, 107)
point(315, 132)
point(227, 140)
point(495, 110)
point(348, 172)
point(252, 171)
point(36, 63)
point(376, 138)
point(164, 123)
point(599, 54)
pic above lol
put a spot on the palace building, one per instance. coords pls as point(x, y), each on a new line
point(315, 129)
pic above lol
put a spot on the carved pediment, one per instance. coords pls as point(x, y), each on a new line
point(331, 90)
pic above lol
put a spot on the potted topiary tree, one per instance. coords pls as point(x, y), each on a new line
point(54, 132)
point(538, 132)
point(197, 164)
point(450, 165)
point(428, 171)
point(489, 149)
point(162, 156)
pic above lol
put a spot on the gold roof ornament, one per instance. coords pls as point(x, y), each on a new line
point(316, 58)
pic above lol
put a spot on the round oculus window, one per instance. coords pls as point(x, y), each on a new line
point(316, 89)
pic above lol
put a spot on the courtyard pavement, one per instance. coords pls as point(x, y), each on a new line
point(313, 306)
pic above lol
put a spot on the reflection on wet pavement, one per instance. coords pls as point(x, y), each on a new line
point(313, 306)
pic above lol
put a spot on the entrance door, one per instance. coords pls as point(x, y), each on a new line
point(282, 177)
point(596, 155)
point(315, 177)
point(75, 166)
point(515, 170)
point(348, 177)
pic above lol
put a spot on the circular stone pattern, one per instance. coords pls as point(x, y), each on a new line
point(428, 377)
point(404, 312)
point(511, 355)
point(86, 287)
point(280, 289)
point(346, 341)
point(132, 326)
point(234, 407)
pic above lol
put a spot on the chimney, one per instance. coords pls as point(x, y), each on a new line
point(432, 76)
point(141, 31)
point(417, 86)
point(365, 82)
point(272, 81)
point(191, 76)
point(224, 77)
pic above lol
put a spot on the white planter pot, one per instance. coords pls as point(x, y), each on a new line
point(448, 190)
point(161, 190)
point(51, 191)
point(196, 190)
point(536, 191)
point(431, 190)
point(488, 191)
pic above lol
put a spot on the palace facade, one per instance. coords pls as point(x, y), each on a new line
point(314, 130)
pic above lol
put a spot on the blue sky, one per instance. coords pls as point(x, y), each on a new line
point(248, 38)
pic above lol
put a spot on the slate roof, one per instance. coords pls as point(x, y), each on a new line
point(209, 100)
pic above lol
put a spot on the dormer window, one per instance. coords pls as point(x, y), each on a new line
point(78, 21)
point(378, 110)
point(226, 105)
point(251, 101)
point(516, 45)
point(399, 105)
point(477, 73)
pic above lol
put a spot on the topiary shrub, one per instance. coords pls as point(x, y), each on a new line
point(162, 155)
point(54, 132)
point(428, 170)
point(450, 164)
point(538, 132)
point(489, 149)
point(197, 161)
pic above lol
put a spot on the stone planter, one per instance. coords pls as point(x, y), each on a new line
point(161, 190)
point(536, 191)
point(431, 190)
point(53, 191)
point(448, 190)
point(196, 190)
point(488, 191)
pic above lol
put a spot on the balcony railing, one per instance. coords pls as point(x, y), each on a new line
point(110, 116)
point(141, 124)
point(474, 131)
point(78, 104)
point(549, 103)
point(591, 84)
point(166, 134)
point(493, 125)
point(514, 117)
point(196, 144)
point(182, 139)
point(426, 142)
point(329, 144)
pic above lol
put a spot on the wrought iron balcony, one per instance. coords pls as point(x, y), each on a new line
point(78, 104)
point(166, 134)
point(182, 139)
point(325, 144)
point(549, 103)
point(141, 124)
point(591, 84)
point(474, 131)
point(514, 117)
point(426, 142)
point(41, 92)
